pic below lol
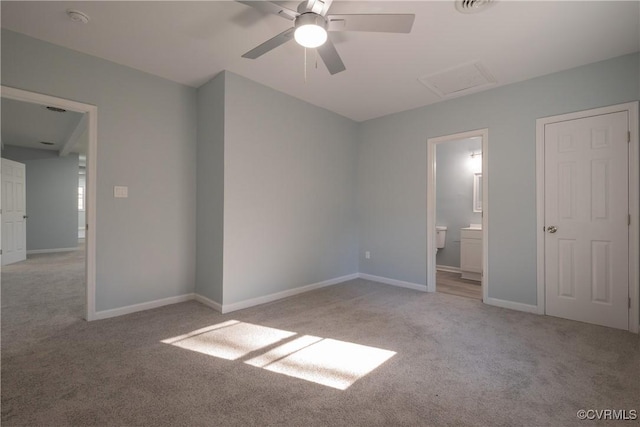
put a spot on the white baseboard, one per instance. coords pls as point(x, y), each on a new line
point(222, 308)
point(227, 308)
point(393, 282)
point(105, 314)
point(512, 305)
point(50, 251)
point(208, 302)
point(448, 268)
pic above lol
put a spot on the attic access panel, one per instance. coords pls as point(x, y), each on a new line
point(459, 80)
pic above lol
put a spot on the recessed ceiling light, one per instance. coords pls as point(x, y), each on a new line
point(47, 143)
point(57, 110)
point(77, 16)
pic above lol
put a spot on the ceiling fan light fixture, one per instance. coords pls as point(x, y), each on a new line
point(310, 30)
point(310, 36)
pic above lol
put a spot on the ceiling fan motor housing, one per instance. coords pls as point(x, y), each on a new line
point(321, 7)
point(311, 18)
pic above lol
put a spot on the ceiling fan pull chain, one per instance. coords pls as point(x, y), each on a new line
point(305, 65)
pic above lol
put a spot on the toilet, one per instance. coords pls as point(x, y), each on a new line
point(441, 234)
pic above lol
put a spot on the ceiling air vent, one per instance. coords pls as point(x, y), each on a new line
point(459, 80)
point(472, 6)
point(57, 110)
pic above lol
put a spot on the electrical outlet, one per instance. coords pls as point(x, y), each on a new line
point(367, 255)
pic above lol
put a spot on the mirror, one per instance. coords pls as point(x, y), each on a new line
point(477, 192)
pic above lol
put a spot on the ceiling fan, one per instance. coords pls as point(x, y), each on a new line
point(312, 22)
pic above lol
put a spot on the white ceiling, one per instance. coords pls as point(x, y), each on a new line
point(190, 42)
point(26, 125)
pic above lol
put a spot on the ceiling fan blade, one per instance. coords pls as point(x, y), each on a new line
point(269, 7)
point(330, 57)
point(270, 44)
point(382, 23)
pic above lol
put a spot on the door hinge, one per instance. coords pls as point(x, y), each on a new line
point(0, 251)
point(629, 302)
point(629, 219)
point(628, 136)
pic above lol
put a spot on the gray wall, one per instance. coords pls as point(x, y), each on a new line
point(289, 192)
point(392, 172)
point(146, 141)
point(454, 194)
point(51, 197)
point(289, 182)
point(210, 193)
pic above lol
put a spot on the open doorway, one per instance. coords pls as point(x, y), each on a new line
point(457, 216)
point(54, 142)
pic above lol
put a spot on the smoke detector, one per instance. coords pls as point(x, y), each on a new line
point(472, 6)
point(77, 16)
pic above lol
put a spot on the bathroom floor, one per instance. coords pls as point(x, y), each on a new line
point(452, 283)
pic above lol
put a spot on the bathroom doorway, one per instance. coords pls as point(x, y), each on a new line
point(457, 214)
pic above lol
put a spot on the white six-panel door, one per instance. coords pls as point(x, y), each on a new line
point(586, 210)
point(14, 231)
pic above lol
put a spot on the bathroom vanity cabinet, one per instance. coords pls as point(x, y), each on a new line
point(471, 253)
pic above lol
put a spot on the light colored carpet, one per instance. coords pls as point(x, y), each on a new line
point(457, 362)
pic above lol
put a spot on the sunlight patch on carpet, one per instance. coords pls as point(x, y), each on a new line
point(329, 362)
point(229, 340)
point(325, 361)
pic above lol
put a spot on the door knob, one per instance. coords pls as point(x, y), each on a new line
point(25, 216)
point(552, 229)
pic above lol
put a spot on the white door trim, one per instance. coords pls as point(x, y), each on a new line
point(431, 206)
point(92, 116)
point(634, 201)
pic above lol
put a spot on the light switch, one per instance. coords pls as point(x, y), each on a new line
point(120, 191)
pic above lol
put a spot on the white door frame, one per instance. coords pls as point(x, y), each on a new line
point(634, 201)
point(431, 206)
point(92, 116)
